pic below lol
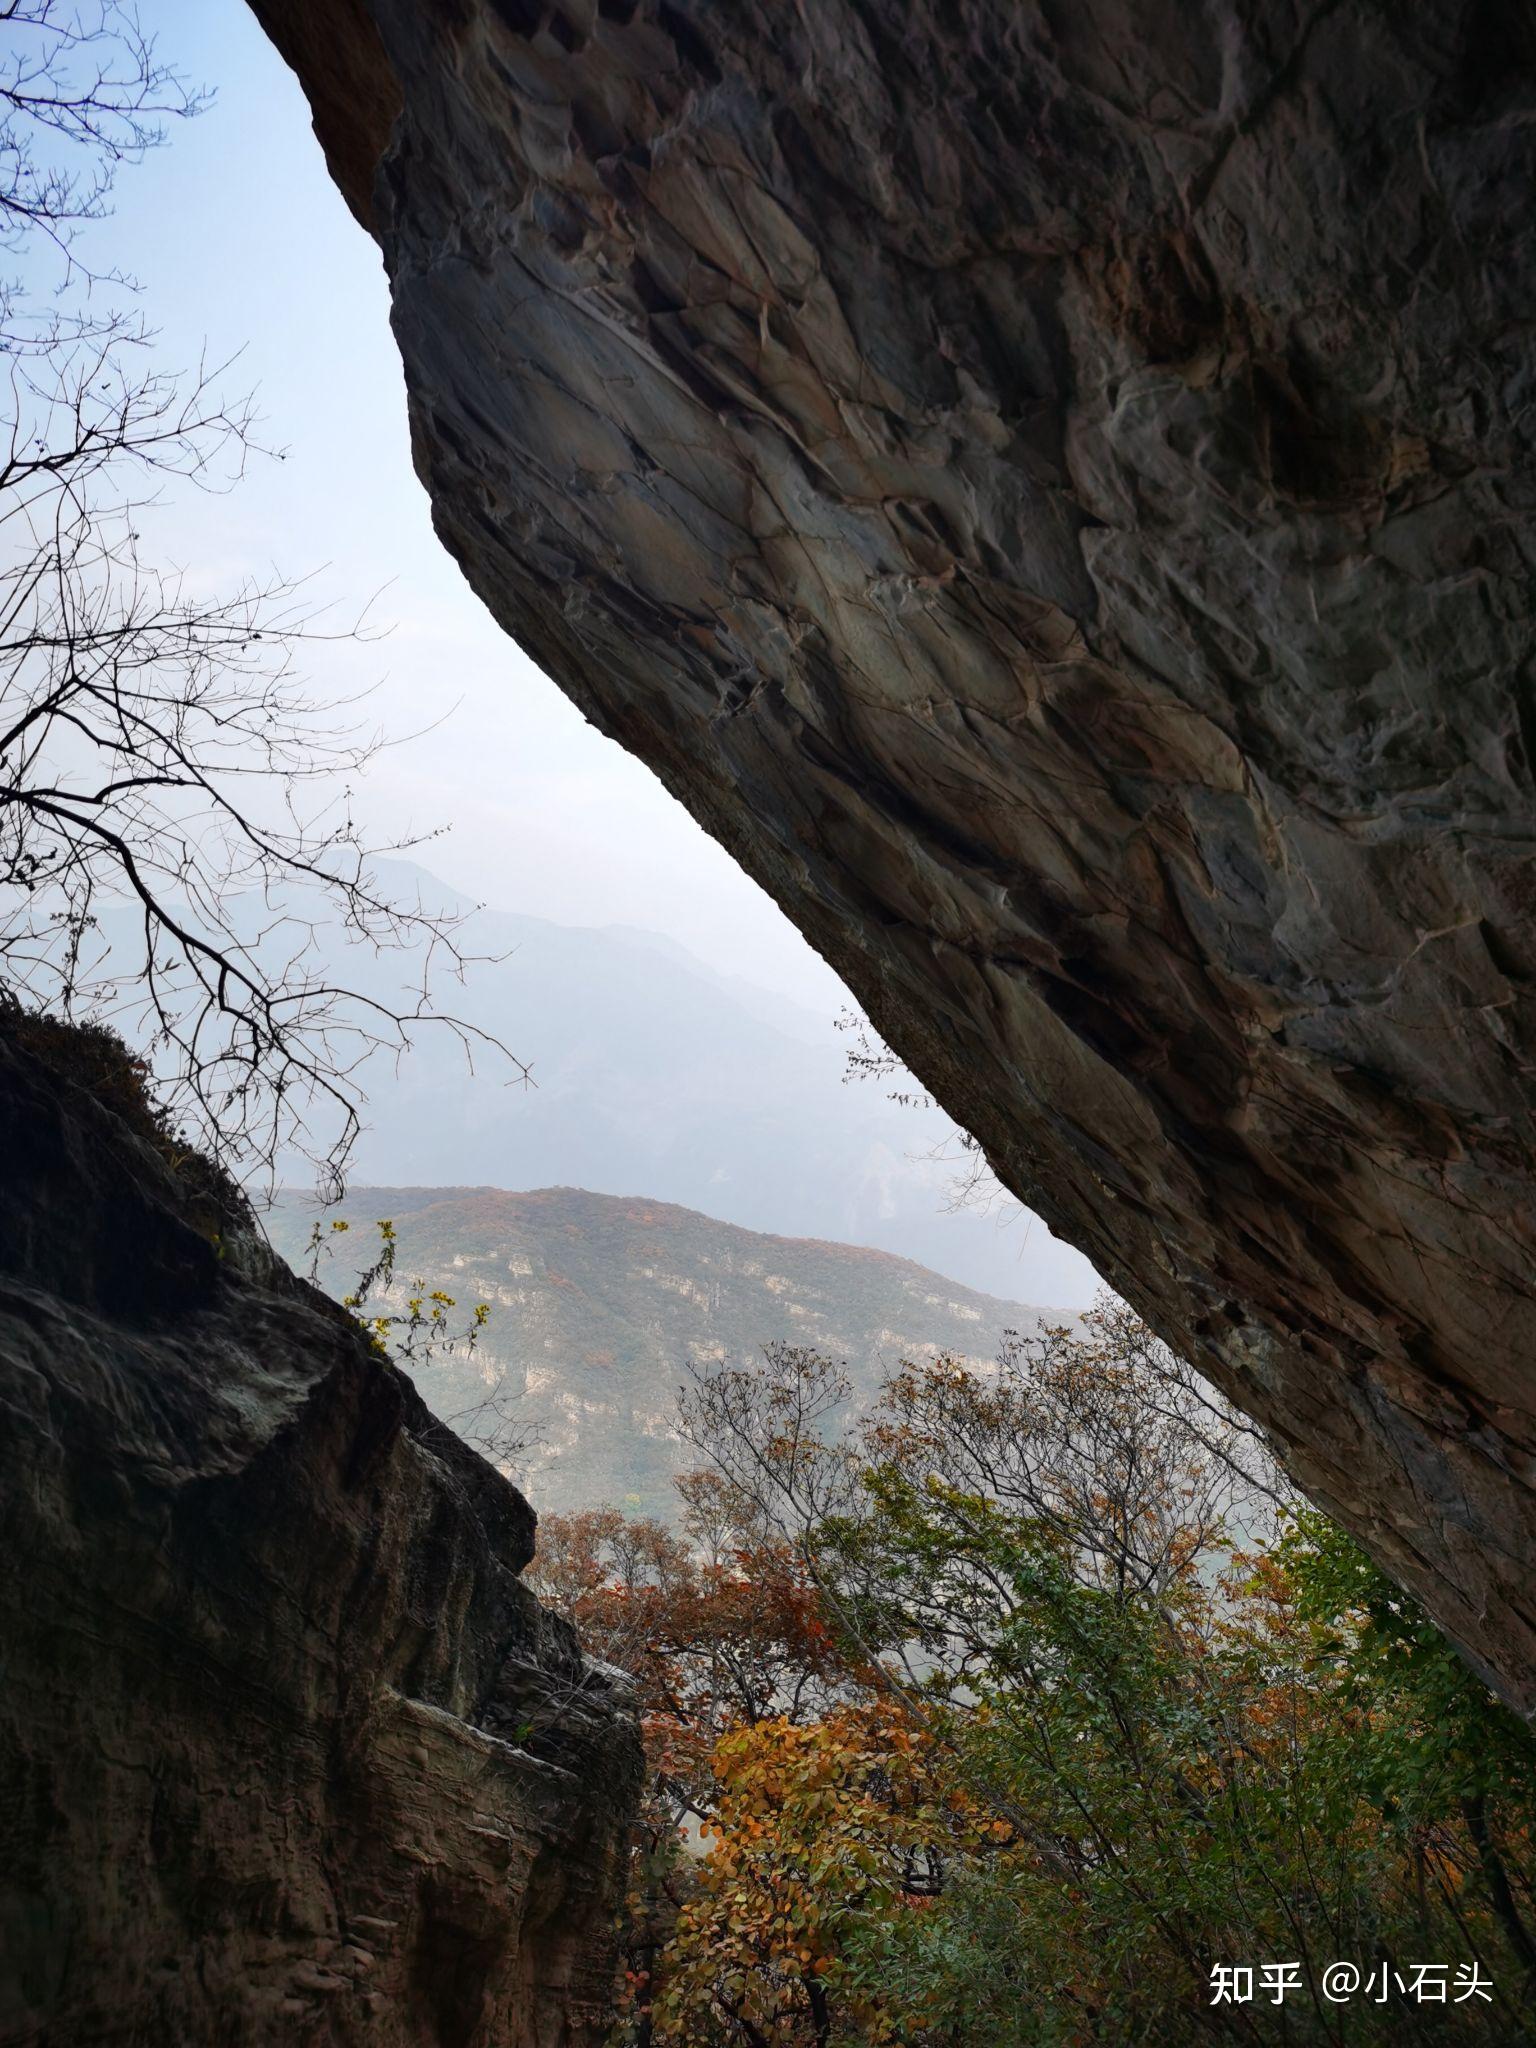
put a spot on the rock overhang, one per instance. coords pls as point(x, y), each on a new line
point(1051, 491)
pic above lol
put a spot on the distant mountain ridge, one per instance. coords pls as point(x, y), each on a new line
point(599, 1301)
point(651, 1070)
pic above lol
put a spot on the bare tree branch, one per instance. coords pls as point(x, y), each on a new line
point(176, 825)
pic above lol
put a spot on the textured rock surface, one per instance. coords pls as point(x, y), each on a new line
point(287, 1753)
point(1049, 486)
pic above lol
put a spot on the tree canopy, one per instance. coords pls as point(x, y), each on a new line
point(1035, 1709)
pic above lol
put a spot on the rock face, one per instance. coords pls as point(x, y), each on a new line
point(287, 1753)
point(1049, 486)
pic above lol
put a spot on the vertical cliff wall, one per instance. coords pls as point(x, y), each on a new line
point(1049, 486)
point(287, 1753)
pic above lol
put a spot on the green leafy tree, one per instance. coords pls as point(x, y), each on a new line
point(1157, 1723)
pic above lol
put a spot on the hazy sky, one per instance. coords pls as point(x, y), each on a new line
point(241, 243)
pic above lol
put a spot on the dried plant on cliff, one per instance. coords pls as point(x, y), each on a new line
point(419, 1327)
point(972, 1184)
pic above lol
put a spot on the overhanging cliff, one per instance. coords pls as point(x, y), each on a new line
point(1049, 487)
point(287, 1752)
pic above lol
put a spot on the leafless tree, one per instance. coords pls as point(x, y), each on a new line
point(1097, 1437)
point(776, 1434)
point(175, 807)
point(973, 1185)
point(83, 90)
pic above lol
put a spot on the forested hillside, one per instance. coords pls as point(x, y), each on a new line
point(598, 1304)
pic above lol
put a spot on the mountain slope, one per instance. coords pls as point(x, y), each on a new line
point(599, 1302)
point(649, 1070)
point(652, 1071)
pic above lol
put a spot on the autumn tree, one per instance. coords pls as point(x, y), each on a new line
point(818, 1828)
point(1100, 1711)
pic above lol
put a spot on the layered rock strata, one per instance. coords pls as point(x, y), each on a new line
point(1049, 487)
point(287, 1752)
